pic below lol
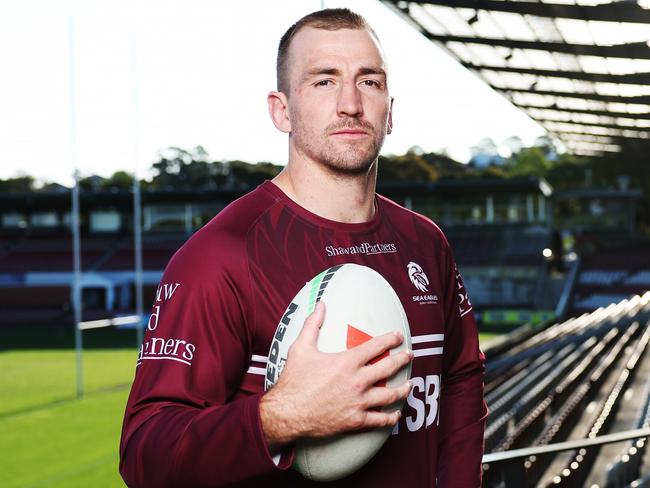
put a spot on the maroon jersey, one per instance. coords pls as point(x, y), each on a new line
point(192, 418)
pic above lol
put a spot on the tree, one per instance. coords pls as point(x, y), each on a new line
point(409, 167)
point(120, 180)
point(548, 146)
point(179, 167)
point(19, 184)
point(529, 161)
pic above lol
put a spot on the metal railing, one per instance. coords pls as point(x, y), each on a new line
point(508, 469)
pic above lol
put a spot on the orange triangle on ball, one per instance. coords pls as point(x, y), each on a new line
point(356, 337)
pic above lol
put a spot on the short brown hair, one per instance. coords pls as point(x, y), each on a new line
point(328, 19)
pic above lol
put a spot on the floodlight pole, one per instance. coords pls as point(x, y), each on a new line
point(77, 302)
point(137, 205)
point(137, 237)
point(76, 238)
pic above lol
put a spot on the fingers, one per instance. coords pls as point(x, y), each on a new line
point(387, 367)
point(376, 419)
point(313, 322)
point(376, 346)
point(381, 396)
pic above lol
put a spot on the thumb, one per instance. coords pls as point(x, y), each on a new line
point(312, 325)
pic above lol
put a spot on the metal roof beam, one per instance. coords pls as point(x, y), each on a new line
point(594, 146)
point(572, 128)
point(543, 120)
point(611, 12)
point(587, 153)
point(584, 138)
point(601, 113)
point(642, 99)
point(629, 78)
point(589, 136)
point(631, 50)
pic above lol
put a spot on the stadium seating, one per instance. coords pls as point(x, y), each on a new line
point(641, 277)
point(502, 265)
point(625, 469)
point(601, 277)
point(578, 463)
point(498, 245)
point(36, 272)
point(568, 381)
point(608, 277)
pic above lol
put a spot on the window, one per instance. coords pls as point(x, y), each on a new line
point(44, 219)
point(14, 220)
point(105, 221)
point(164, 217)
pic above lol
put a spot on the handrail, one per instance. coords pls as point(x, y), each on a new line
point(563, 303)
point(626, 435)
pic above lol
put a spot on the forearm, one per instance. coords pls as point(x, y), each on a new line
point(186, 446)
point(462, 419)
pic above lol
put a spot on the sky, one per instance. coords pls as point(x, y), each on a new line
point(107, 85)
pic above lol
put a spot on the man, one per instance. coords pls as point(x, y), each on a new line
point(197, 414)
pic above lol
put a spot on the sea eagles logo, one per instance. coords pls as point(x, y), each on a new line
point(418, 278)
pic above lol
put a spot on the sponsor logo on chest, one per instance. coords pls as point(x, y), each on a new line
point(367, 248)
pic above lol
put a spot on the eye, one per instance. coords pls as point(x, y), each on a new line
point(371, 83)
point(323, 83)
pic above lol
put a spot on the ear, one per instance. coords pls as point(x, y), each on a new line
point(390, 116)
point(278, 110)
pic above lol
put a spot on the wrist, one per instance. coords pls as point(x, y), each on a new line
point(278, 428)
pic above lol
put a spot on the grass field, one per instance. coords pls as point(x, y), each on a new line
point(485, 337)
point(49, 438)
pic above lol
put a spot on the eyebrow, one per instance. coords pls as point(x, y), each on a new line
point(336, 72)
point(322, 71)
point(373, 71)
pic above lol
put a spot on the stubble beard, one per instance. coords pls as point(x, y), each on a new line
point(350, 158)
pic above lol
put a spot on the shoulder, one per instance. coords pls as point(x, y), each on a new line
point(412, 222)
point(221, 243)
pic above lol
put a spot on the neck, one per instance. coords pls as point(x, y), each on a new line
point(335, 196)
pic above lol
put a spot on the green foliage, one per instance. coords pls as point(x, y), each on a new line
point(567, 174)
point(179, 168)
point(409, 167)
point(493, 171)
point(239, 174)
point(529, 161)
point(120, 180)
point(19, 184)
point(416, 165)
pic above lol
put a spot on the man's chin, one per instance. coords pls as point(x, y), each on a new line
point(350, 166)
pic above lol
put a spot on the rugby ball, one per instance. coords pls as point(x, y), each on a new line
point(360, 304)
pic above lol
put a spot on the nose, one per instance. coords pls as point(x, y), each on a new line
point(349, 101)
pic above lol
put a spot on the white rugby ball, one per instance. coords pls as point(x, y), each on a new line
point(360, 304)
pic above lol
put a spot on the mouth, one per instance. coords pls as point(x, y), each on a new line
point(351, 133)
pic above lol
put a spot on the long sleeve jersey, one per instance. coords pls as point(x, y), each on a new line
point(192, 417)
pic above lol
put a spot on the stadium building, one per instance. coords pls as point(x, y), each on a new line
point(568, 391)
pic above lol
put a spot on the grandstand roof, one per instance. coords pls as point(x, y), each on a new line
point(581, 68)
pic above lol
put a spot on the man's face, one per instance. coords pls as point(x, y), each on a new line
point(338, 102)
